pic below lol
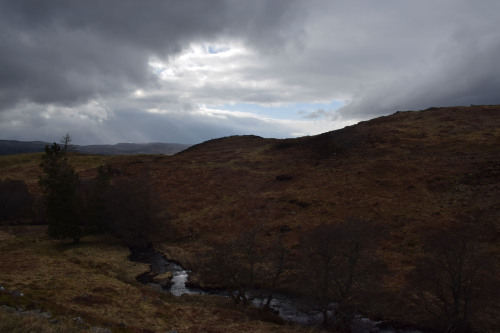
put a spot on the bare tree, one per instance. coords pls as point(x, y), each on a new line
point(132, 211)
point(276, 266)
point(66, 142)
point(15, 201)
point(337, 263)
point(234, 265)
point(252, 265)
point(455, 275)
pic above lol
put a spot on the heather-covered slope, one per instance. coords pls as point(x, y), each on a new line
point(407, 170)
point(408, 173)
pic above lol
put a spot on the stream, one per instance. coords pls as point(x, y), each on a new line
point(284, 305)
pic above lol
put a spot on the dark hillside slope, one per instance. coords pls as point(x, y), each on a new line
point(420, 167)
point(408, 173)
point(8, 147)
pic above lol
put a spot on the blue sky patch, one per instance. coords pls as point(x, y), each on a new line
point(286, 111)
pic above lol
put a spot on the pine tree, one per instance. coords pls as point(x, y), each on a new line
point(59, 183)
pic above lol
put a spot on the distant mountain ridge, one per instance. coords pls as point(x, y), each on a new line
point(10, 147)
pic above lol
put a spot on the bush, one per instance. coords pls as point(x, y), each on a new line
point(132, 213)
point(15, 201)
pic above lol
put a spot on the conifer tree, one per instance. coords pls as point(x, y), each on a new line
point(59, 183)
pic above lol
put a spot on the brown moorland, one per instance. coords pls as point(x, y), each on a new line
point(407, 173)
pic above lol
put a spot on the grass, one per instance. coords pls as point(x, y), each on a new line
point(95, 281)
point(15, 323)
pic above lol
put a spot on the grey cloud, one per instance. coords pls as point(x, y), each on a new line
point(467, 73)
point(377, 57)
point(387, 56)
point(320, 113)
point(68, 52)
point(129, 123)
point(135, 126)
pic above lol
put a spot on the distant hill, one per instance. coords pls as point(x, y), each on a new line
point(133, 148)
point(9, 147)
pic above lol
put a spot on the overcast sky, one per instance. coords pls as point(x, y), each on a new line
point(188, 71)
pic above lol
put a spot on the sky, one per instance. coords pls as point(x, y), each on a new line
point(188, 71)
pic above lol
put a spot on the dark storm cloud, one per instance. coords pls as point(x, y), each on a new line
point(450, 56)
point(465, 71)
point(163, 70)
point(67, 52)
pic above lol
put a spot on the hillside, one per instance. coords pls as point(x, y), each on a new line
point(9, 147)
point(406, 170)
point(133, 148)
point(408, 173)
